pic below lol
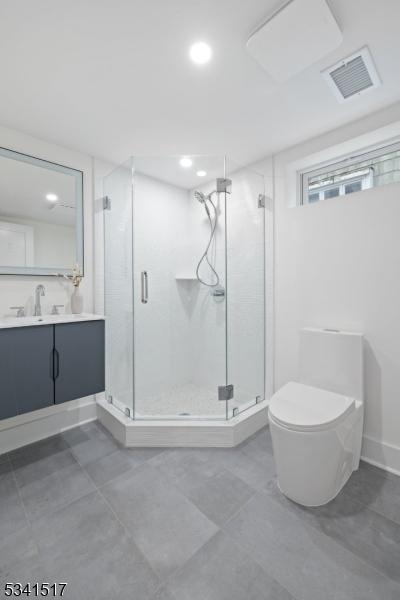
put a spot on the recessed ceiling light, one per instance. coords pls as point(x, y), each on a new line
point(201, 173)
point(200, 53)
point(186, 162)
point(52, 197)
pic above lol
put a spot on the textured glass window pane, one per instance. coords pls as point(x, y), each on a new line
point(332, 193)
point(352, 187)
point(370, 169)
point(313, 197)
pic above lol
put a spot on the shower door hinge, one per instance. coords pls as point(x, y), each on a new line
point(106, 203)
point(223, 184)
point(225, 392)
point(261, 201)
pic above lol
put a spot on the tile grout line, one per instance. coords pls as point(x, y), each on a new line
point(331, 539)
point(130, 535)
point(28, 520)
point(229, 469)
point(181, 567)
point(115, 515)
point(62, 506)
point(19, 494)
point(235, 543)
point(368, 507)
point(339, 543)
point(243, 506)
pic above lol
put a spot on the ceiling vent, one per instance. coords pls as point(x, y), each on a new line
point(353, 75)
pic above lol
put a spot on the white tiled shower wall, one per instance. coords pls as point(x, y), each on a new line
point(162, 335)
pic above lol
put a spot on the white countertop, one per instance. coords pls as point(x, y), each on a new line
point(9, 322)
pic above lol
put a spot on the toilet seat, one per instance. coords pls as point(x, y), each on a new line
point(301, 407)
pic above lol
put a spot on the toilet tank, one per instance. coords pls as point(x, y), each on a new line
point(332, 360)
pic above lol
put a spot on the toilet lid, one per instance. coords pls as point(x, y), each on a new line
point(303, 407)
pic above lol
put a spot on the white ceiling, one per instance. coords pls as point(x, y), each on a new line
point(113, 78)
point(168, 169)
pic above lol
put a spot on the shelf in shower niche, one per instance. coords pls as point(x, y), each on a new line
point(185, 277)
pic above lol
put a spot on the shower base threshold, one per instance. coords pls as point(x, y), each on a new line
point(182, 433)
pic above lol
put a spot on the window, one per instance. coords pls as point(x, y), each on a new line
point(350, 175)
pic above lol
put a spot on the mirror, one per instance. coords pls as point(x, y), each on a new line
point(41, 216)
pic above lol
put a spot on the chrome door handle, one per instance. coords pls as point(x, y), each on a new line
point(145, 287)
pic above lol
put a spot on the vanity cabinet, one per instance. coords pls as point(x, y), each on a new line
point(26, 369)
point(79, 369)
point(49, 364)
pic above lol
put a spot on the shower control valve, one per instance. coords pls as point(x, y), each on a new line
point(218, 291)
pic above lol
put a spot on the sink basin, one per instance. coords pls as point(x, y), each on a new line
point(7, 322)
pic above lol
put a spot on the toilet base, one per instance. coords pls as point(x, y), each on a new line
point(297, 501)
point(312, 467)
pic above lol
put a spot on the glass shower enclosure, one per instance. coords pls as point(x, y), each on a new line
point(185, 337)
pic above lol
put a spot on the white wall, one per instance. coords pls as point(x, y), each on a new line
point(19, 290)
point(338, 265)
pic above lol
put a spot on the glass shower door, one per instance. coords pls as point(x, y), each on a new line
point(245, 267)
point(179, 327)
point(118, 293)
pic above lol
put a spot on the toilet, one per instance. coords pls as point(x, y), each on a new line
point(316, 423)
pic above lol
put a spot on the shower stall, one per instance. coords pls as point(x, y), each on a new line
point(184, 286)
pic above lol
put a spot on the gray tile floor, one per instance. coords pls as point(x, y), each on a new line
point(189, 524)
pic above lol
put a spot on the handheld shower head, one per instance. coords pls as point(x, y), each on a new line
point(200, 197)
point(213, 221)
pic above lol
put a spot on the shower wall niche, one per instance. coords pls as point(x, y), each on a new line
point(175, 348)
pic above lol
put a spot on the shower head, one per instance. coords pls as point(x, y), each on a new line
point(200, 197)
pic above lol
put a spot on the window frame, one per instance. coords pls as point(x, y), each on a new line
point(307, 173)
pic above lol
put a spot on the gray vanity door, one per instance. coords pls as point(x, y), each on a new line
point(26, 369)
point(79, 361)
point(8, 403)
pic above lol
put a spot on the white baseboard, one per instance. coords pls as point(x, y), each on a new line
point(182, 433)
point(380, 454)
point(32, 427)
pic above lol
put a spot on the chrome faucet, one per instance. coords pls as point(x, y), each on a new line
point(40, 291)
